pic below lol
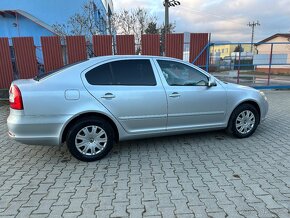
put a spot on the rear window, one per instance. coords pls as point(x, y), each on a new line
point(125, 72)
point(44, 75)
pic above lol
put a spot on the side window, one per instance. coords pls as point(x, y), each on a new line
point(127, 72)
point(100, 75)
point(133, 72)
point(178, 74)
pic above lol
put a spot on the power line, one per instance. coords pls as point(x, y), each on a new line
point(253, 25)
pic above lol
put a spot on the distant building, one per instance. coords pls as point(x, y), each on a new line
point(15, 23)
point(280, 54)
point(35, 18)
point(222, 49)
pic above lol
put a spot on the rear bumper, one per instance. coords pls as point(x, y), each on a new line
point(36, 130)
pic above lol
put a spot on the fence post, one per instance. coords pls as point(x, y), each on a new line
point(208, 54)
point(238, 77)
point(270, 64)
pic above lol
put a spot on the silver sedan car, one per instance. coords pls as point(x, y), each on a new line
point(96, 103)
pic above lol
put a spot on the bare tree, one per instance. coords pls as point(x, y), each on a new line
point(133, 21)
point(83, 23)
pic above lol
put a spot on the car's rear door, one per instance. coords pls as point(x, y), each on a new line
point(132, 91)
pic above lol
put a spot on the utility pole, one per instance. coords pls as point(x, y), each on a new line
point(253, 25)
point(166, 5)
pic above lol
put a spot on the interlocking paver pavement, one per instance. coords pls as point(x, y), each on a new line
point(195, 175)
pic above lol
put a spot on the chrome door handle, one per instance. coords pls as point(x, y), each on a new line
point(174, 95)
point(108, 96)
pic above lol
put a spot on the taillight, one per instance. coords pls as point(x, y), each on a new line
point(15, 98)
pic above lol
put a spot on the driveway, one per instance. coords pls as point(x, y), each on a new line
point(195, 175)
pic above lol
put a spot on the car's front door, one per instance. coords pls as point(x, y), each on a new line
point(192, 104)
point(132, 91)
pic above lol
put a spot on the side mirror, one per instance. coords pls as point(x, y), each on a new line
point(211, 82)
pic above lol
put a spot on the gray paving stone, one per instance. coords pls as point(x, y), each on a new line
point(103, 213)
point(64, 199)
point(57, 211)
point(181, 206)
point(262, 210)
point(199, 211)
point(136, 213)
point(241, 203)
point(75, 205)
point(211, 205)
point(151, 208)
point(25, 211)
point(105, 203)
point(249, 213)
point(164, 200)
point(71, 214)
point(44, 207)
point(281, 213)
point(269, 201)
point(120, 210)
point(230, 210)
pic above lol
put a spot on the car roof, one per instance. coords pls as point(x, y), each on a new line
point(96, 60)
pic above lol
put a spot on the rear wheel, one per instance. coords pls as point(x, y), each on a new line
point(90, 139)
point(243, 121)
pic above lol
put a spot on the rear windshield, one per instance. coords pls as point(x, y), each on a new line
point(44, 75)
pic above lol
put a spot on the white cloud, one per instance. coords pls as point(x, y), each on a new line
point(225, 19)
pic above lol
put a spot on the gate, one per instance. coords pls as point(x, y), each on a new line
point(6, 70)
point(25, 57)
point(52, 53)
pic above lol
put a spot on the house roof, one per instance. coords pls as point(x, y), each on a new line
point(285, 35)
point(30, 17)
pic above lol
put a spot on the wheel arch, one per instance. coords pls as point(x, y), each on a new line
point(93, 115)
point(249, 101)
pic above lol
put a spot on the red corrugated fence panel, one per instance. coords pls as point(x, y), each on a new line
point(174, 45)
point(197, 43)
point(76, 48)
point(102, 45)
point(6, 69)
point(125, 44)
point(150, 44)
point(25, 57)
point(52, 52)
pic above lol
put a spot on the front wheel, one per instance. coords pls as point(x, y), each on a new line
point(90, 139)
point(243, 121)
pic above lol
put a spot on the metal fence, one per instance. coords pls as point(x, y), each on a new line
point(261, 65)
point(23, 59)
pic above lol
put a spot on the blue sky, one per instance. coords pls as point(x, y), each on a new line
point(225, 19)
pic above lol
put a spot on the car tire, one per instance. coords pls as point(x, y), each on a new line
point(243, 121)
point(90, 139)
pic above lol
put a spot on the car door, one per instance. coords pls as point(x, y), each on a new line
point(132, 91)
point(191, 103)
